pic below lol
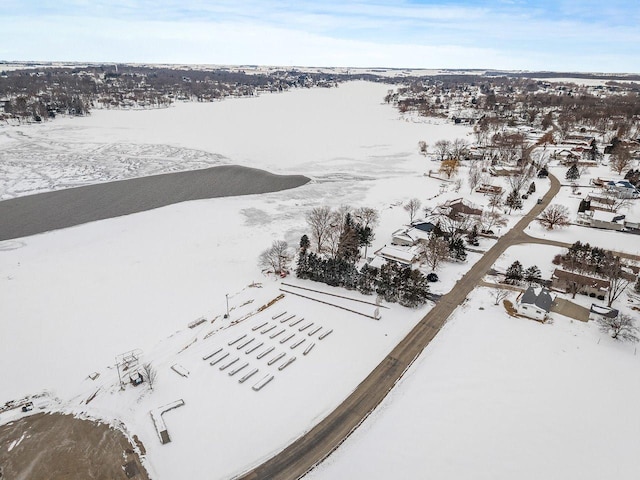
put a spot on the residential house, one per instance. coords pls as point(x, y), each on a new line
point(500, 171)
point(600, 312)
point(402, 256)
point(458, 206)
point(622, 189)
point(534, 303)
point(570, 281)
point(408, 237)
point(601, 219)
point(489, 189)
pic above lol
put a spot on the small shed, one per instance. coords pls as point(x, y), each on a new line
point(535, 304)
point(600, 312)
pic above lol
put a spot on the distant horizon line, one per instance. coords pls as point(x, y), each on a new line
point(255, 65)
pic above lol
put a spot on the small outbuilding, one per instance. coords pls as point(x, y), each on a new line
point(600, 312)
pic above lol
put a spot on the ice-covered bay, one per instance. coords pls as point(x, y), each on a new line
point(327, 133)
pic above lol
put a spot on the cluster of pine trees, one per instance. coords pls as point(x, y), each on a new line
point(584, 258)
point(393, 282)
point(516, 273)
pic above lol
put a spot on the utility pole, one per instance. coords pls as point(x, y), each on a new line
point(227, 297)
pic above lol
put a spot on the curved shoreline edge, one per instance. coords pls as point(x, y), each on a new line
point(43, 212)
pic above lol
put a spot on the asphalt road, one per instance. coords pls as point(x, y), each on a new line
point(314, 446)
point(33, 214)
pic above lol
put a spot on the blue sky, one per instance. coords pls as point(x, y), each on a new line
point(567, 35)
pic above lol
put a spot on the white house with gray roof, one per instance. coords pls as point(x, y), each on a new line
point(534, 303)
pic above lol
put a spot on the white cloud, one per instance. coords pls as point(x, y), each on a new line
point(347, 33)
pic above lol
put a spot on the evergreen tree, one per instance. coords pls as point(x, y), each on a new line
point(302, 267)
point(386, 286)
point(513, 201)
point(636, 287)
point(572, 173)
point(532, 275)
point(367, 279)
point(349, 242)
point(457, 250)
point(304, 243)
point(543, 172)
point(365, 236)
point(532, 188)
point(415, 288)
point(514, 273)
point(437, 230)
point(472, 236)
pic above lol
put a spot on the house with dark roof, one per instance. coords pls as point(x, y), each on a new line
point(600, 312)
point(458, 206)
point(534, 303)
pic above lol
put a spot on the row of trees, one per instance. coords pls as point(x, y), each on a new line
point(516, 274)
point(392, 282)
point(341, 233)
point(38, 94)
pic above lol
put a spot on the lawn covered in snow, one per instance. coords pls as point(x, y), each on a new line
point(496, 397)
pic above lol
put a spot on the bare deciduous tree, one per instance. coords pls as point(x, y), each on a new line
point(368, 218)
point(499, 294)
point(618, 279)
point(442, 148)
point(319, 221)
point(474, 176)
point(518, 181)
point(276, 257)
point(455, 226)
point(412, 206)
point(435, 250)
point(490, 219)
point(614, 202)
point(621, 159)
point(422, 147)
point(554, 216)
point(621, 328)
point(150, 374)
point(458, 149)
point(495, 200)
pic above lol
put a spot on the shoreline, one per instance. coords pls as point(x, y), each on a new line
point(43, 212)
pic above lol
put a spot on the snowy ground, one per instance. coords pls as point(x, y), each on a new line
point(494, 397)
point(73, 299)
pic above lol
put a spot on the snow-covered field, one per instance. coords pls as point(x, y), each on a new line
point(73, 299)
point(495, 397)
